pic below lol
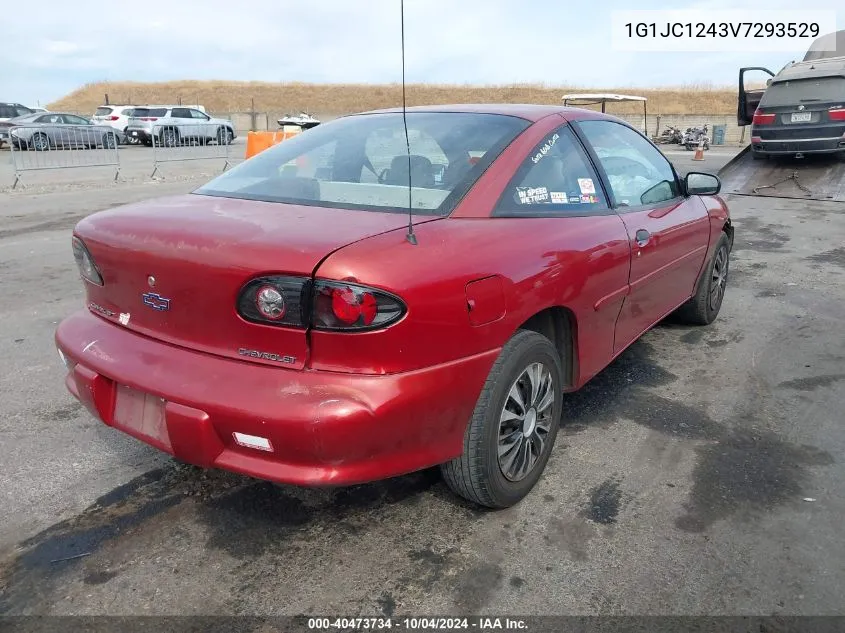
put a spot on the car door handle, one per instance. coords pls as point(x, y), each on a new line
point(642, 237)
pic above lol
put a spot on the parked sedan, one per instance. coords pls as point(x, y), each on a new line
point(58, 130)
point(336, 310)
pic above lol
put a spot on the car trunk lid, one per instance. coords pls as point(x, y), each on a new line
point(173, 267)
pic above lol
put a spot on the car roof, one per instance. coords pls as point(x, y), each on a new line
point(827, 67)
point(529, 111)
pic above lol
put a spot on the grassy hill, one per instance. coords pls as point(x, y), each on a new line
point(333, 99)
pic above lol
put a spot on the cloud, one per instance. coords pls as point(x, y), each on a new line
point(447, 41)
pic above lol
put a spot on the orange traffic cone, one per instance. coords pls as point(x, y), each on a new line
point(699, 151)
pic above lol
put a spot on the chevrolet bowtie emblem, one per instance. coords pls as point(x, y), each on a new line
point(156, 301)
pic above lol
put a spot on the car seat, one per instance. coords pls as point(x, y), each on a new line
point(422, 172)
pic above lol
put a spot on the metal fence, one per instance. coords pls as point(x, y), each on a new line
point(56, 146)
point(175, 141)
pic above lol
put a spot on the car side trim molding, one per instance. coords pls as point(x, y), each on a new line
point(613, 296)
point(660, 271)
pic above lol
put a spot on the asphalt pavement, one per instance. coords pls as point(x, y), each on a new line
point(700, 473)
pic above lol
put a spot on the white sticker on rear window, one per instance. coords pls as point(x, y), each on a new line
point(558, 197)
point(532, 195)
point(547, 146)
point(586, 185)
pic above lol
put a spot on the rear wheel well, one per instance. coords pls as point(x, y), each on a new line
point(558, 325)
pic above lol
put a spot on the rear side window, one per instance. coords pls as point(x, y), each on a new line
point(556, 178)
point(102, 111)
point(795, 91)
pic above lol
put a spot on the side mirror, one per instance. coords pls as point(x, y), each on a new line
point(699, 184)
point(768, 82)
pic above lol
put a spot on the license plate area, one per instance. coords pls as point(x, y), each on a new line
point(801, 117)
point(141, 415)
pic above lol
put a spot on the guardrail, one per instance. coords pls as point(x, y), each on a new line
point(57, 146)
point(176, 142)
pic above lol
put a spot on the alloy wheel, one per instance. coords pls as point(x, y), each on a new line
point(525, 421)
point(719, 278)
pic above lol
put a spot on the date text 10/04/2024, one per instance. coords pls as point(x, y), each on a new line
point(418, 624)
point(723, 29)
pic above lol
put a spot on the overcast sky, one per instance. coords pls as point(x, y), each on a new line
point(58, 45)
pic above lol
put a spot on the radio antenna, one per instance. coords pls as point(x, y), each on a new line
point(410, 236)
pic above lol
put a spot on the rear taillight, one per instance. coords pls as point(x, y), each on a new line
point(836, 115)
point(345, 306)
point(322, 305)
point(85, 263)
point(762, 119)
point(275, 300)
point(112, 118)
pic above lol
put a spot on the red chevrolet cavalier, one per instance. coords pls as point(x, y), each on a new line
point(336, 311)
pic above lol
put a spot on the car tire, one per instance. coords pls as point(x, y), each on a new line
point(224, 136)
point(703, 307)
point(758, 155)
point(168, 137)
point(39, 142)
point(479, 474)
point(109, 141)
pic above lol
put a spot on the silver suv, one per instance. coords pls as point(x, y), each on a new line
point(177, 125)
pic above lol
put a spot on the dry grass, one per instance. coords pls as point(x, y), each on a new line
point(333, 99)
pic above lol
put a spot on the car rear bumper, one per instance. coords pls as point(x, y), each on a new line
point(804, 146)
point(805, 138)
point(138, 133)
point(323, 428)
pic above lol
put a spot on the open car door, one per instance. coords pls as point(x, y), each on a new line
point(748, 99)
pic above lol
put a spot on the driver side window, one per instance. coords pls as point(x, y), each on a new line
point(638, 174)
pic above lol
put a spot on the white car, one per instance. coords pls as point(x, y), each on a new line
point(116, 116)
point(173, 125)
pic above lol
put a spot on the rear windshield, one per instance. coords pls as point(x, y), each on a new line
point(796, 91)
point(102, 111)
point(145, 112)
point(361, 162)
